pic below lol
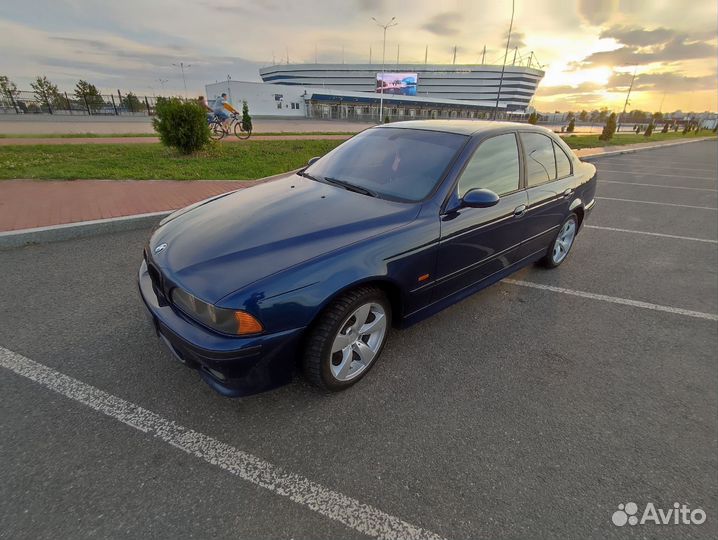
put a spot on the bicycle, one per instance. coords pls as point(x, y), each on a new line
point(218, 131)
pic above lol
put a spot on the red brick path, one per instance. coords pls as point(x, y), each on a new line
point(36, 203)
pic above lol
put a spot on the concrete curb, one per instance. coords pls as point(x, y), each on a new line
point(67, 231)
point(631, 150)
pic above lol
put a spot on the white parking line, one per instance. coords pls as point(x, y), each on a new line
point(647, 173)
point(614, 300)
point(346, 510)
point(659, 203)
point(662, 235)
point(655, 185)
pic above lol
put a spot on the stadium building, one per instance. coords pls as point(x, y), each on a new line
point(353, 91)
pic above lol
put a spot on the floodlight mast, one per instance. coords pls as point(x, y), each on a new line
point(392, 22)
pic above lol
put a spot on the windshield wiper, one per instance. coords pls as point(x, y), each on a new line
point(349, 186)
point(307, 175)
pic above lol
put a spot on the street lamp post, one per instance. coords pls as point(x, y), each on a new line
point(182, 65)
point(391, 23)
point(506, 53)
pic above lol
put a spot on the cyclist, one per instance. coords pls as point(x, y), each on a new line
point(222, 108)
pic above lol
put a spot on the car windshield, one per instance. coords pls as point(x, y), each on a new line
point(395, 163)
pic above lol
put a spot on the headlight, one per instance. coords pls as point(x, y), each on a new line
point(223, 320)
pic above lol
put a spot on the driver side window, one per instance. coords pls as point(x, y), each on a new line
point(494, 166)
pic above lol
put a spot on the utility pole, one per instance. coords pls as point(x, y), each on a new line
point(516, 49)
point(369, 55)
point(391, 23)
point(483, 55)
point(506, 53)
point(625, 105)
point(182, 67)
point(287, 54)
point(454, 61)
point(426, 55)
point(660, 109)
point(531, 56)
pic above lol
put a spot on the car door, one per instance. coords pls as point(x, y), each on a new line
point(549, 185)
point(478, 242)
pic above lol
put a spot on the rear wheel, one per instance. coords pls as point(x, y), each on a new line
point(347, 339)
point(562, 243)
point(216, 131)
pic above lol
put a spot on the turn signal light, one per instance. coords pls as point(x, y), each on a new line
point(246, 323)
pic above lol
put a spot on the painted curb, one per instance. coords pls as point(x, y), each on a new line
point(67, 231)
point(632, 150)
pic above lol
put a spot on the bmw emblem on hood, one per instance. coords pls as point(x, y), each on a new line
point(161, 248)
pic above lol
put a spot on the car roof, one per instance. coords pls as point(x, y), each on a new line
point(463, 127)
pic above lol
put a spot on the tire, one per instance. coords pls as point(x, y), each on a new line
point(239, 131)
point(338, 328)
point(216, 131)
point(562, 243)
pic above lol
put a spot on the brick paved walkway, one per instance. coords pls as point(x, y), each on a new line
point(26, 204)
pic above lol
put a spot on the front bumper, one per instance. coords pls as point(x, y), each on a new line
point(232, 366)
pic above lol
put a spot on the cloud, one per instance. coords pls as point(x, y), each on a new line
point(518, 39)
point(665, 81)
point(636, 36)
point(443, 24)
point(597, 12)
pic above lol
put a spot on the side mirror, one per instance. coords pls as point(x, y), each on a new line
point(312, 160)
point(480, 198)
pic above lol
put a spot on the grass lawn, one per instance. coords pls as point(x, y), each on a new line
point(591, 141)
point(246, 161)
point(249, 160)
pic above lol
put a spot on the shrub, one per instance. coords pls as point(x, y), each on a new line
point(182, 125)
point(686, 128)
point(246, 119)
point(571, 126)
point(665, 128)
point(649, 129)
point(609, 129)
point(533, 118)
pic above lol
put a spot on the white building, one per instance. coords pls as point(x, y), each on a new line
point(349, 91)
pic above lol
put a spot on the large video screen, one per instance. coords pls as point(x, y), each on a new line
point(401, 84)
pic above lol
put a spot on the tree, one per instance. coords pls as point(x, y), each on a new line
point(649, 129)
point(246, 119)
point(571, 126)
point(533, 118)
point(570, 115)
point(47, 93)
point(89, 96)
point(666, 125)
point(686, 127)
point(583, 116)
point(609, 129)
point(8, 90)
point(658, 116)
point(131, 102)
point(603, 114)
point(182, 125)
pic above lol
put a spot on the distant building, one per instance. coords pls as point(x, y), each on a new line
point(352, 91)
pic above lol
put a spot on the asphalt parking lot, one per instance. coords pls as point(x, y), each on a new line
point(531, 410)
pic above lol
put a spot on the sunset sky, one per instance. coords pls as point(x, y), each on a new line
point(589, 48)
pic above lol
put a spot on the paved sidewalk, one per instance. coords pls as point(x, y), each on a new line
point(27, 204)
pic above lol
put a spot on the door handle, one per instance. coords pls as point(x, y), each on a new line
point(520, 210)
point(568, 192)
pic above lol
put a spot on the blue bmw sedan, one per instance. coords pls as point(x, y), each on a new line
point(312, 269)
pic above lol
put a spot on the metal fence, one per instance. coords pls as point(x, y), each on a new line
point(63, 103)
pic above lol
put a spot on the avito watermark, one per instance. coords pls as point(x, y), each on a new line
point(679, 514)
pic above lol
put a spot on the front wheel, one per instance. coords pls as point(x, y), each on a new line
point(240, 132)
point(562, 243)
point(347, 339)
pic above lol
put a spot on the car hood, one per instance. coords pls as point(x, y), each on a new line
point(230, 242)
